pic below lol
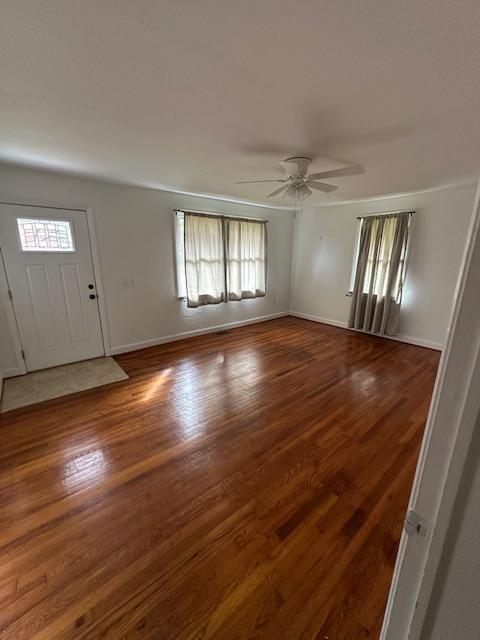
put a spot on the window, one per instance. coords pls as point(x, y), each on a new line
point(246, 259)
point(205, 277)
point(380, 257)
point(219, 258)
point(380, 273)
point(45, 235)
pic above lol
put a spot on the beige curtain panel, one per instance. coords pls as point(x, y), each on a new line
point(225, 259)
point(380, 272)
point(247, 256)
point(204, 260)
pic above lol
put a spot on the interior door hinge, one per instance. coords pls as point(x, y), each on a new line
point(23, 354)
point(415, 524)
point(10, 295)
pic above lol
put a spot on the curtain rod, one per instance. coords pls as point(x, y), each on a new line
point(384, 213)
point(211, 214)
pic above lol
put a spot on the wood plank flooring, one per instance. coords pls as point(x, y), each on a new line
point(245, 485)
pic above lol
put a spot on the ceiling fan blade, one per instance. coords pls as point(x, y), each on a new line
point(277, 191)
point(321, 186)
point(252, 181)
point(338, 173)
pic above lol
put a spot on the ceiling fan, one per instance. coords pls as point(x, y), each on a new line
point(298, 184)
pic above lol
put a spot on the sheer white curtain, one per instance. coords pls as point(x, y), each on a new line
point(377, 292)
point(204, 260)
point(246, 259)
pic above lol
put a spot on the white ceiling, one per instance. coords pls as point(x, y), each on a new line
point(192, 95)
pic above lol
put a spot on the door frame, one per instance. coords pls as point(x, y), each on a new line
point(451, 422)
point(65, 206)
point(20, 369)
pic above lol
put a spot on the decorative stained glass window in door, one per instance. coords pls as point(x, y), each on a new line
point(46, 235)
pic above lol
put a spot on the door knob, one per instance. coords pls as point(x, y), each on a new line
point(92, 296)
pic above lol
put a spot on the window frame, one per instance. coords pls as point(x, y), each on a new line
point(356, 251)
point(179, 246)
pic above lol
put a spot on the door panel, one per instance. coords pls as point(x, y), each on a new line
point(41, 306)
point(49, 267)
point(72, 290)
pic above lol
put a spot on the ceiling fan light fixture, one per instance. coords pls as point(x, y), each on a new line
point(291, 191)
point(304, 191)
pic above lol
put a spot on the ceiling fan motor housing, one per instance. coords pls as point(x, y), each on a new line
point(297, 166)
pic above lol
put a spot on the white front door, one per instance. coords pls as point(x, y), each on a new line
point(49, 267)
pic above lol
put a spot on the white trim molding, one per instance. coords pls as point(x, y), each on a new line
point(11, 372)
point(20, 369)
point(419, 342)
point(458, 184)
point(308, 316)
point(144, 344)
point(102, 307)
point(141, 185)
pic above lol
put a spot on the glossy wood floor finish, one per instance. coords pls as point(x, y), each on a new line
point(250, 484)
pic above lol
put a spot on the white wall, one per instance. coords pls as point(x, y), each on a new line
point(134, 235)
point(324, 240)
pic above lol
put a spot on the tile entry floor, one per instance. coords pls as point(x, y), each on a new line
point(59, 381)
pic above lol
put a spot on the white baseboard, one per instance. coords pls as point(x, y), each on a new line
point(134, 346)
point(419, 342)
point(307, 316)
point(338, 323)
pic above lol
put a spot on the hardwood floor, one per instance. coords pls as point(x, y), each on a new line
point(249, 484)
